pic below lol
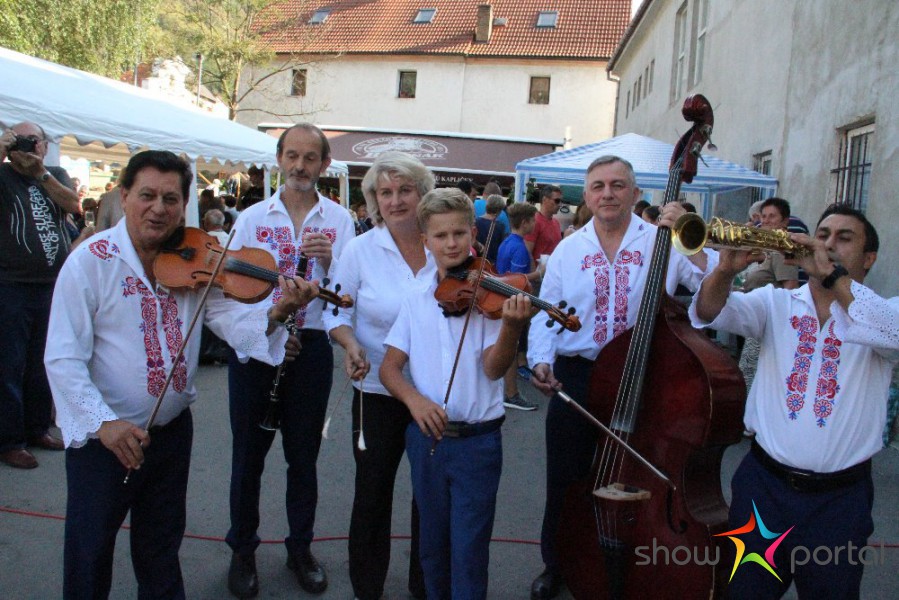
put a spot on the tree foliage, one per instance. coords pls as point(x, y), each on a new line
point(230, 35)
point(100, 36)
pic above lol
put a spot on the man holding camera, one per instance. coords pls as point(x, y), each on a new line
point(34, 200)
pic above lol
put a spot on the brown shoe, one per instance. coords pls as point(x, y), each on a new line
point(47, 442)
point(19, 458)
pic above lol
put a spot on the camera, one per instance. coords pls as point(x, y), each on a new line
point(23, 144)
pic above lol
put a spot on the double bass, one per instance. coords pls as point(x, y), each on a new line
point(669, 393)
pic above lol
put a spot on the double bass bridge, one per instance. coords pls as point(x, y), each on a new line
point(620, 492)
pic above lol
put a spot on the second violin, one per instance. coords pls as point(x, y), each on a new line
point(455, 291)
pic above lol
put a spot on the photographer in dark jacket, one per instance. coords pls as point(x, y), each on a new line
point(34, 200)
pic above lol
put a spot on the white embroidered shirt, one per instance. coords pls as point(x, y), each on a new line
point(112, 338)
point(267, 225)
point(606, 296)
point(819, 397)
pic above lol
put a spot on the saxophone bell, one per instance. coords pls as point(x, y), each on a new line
point(690, 234)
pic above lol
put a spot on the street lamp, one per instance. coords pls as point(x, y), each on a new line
point(199, 57)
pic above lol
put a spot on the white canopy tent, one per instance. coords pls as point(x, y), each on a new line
point(95, 109)
point(650, 159)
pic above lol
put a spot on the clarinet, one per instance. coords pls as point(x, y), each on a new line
point(272, 419)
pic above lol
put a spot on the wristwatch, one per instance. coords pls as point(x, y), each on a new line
point(838, 271)
point(44, 177)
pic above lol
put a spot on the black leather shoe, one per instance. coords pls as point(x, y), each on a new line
point(310, 573)
point(242, 579)
point(547, 585)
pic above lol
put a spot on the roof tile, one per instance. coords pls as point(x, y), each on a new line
point(586, 29)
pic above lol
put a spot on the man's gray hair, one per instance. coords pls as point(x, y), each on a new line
point(609, 159)
point(394, 164)
point(214, 217)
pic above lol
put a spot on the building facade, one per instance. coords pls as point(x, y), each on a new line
point(802, 90)
point(519, 69)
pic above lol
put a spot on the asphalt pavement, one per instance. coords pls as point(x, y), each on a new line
point(32, 509)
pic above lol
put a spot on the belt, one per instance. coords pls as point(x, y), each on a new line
point(461, 429)
point(802, 480)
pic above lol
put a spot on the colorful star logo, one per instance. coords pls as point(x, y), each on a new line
point(768, 561)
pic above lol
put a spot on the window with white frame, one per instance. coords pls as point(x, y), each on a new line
point(701, 26)
point(853, 170)
point(761, 163)
point(547, 18)
point(627, 106)
point(320, 16)
point(425, 15)
point(652, 73)
point(679, 68)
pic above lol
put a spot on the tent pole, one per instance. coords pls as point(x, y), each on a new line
point(192, 214)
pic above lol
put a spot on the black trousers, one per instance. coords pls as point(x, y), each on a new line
point(570, 445)
point(99, 500)
point(383, 422)
point(304, 389)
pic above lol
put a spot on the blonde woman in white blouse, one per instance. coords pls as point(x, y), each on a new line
point(378, 269)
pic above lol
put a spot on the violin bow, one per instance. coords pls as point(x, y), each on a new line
point(474, 299)
point(190, 329)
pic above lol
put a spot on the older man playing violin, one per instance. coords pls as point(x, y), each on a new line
point(114, 333)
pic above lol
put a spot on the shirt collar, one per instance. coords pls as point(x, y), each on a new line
point(275, 204)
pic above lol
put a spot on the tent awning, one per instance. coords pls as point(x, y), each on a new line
point(92, 108)
point(650, 159)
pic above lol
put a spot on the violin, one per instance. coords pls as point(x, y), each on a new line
point(248, 275)
point(454, 293)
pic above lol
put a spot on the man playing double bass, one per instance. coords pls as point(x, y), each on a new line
point(600, 270)
point(817, 407)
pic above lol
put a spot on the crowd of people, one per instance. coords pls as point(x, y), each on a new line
point(823, 357)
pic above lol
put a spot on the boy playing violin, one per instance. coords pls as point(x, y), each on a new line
point(455, 445)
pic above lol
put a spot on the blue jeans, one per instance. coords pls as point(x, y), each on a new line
point(456, 494)
point(25, 398)
point(828, 520)
point(303, 391)
point(156, 496)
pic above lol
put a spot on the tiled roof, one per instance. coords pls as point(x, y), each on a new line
point(586, 29)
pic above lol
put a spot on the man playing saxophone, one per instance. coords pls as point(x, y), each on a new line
point(817, 408)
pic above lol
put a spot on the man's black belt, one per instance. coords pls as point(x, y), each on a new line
point(809, 481)
point(461, 429)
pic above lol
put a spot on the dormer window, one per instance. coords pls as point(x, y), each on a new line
point(425, 15)
point(547, 18)
point(320, 16)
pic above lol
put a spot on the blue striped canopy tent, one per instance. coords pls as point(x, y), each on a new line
point(650, 158)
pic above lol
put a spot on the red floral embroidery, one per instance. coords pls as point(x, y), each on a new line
point(103, 249)
point(171, 326)
point(622, 288)
point(797, 381)
point(287, 254)
point(828, 387)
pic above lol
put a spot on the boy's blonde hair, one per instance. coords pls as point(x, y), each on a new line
point(442, 201)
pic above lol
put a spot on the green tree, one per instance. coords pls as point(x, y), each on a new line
point(232, 35)
point(100, 36)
